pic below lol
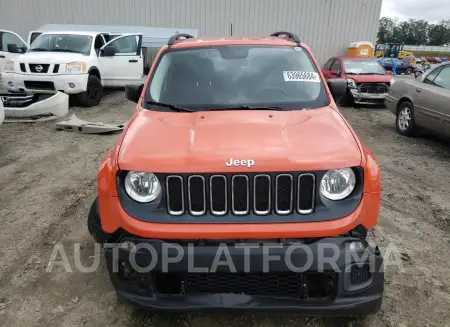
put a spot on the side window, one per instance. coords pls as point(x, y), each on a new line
point(431, 76)
point(126, 45)
point(9, 38)
point(34, 36)
point(329, 63)
point(443, 78)
point(336, 66)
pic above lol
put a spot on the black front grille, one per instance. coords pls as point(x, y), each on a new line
point(56, 69)
point(301, 286)
point(39, 68)
point(289, 285)
point(23, 68)
point(373, 88)
point(240, 195)
point(39, 85)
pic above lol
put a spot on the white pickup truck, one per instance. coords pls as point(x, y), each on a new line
point(74, 62)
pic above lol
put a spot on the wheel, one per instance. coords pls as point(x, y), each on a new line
point(409, 71)
point(405, 122)
point(93, 94)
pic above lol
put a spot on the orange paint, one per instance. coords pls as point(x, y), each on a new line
point(201, 142)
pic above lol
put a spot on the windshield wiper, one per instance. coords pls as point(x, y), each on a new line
point(170, 106)
point(63, 50)
point(248, 108)
point(374, 74)
point(39, 49)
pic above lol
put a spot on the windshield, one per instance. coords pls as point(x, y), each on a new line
point(233, 77)
point(63, 43)
point(363, 67)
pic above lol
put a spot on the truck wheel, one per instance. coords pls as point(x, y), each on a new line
point(93, 94)
point(405, 122)
point(409, 71)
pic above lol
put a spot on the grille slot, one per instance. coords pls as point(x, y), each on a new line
point(306, 193)
point(218, 195)
point(197, 195)
point(262, 194)
point(23, 69)
point(175, 195)
point(240, 195)
point(360, 274)
point(56, 69)
point(284, 194)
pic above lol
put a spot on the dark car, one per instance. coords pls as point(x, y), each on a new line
point(403, 67)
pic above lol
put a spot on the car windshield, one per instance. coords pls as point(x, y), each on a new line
point(237, 77)
point(63, 43)
point(363, 67)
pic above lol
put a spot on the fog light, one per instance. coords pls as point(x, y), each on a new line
point(11, 84)
point(354, 246)
point(71, 85)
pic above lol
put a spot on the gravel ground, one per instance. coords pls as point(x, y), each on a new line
point(49, 181)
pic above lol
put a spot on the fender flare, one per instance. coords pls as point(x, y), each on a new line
point(95, 71)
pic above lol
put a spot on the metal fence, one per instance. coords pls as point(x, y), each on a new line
point(426, 48)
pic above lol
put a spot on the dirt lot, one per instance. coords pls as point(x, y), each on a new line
point(49, 181)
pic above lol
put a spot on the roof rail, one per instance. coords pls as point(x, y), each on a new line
point(287, 35)
point(178, 37)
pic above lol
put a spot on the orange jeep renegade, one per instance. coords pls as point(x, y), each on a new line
point(238, 183)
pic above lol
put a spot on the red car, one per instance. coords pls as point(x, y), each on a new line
point(368, 82)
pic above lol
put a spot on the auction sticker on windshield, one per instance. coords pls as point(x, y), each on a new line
point(297, 76)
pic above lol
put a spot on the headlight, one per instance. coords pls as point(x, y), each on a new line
point(77, 67)
point(142, 187)
point(351, 83)
point(337, 184)
point(9, 66)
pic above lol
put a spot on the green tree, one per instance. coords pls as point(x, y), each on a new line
point(385, 30)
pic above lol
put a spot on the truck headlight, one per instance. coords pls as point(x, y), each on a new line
point(77, 67)
point(142, 187)
point(338, 184)
point(9, 66)
point(351, 83)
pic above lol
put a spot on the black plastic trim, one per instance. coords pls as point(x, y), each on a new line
point(325, 210)
point(177, 37)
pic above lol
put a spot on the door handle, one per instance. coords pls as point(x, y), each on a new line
point(2, 56)
point(132, 60)
point(418, 90)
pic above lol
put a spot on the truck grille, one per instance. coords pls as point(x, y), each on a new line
point(373, 88)
point(240, 195)
point(39, 68)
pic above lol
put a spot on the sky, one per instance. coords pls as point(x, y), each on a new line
point(429, 10)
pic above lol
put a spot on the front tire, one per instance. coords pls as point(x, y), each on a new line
point(405, 121)
point(93, 94)
point(409, 71)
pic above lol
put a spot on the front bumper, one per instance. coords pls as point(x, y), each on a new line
point(309, 277)
point(368, 98)
point(69, 84)
point(23, 105)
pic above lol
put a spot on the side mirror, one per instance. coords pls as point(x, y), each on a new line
point(337, 86)
point(133, 92)
point(13, 48)
point(389, 72)
point(108, 51)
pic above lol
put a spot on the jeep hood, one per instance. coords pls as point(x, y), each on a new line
point(44, 57)
point(202, 142)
